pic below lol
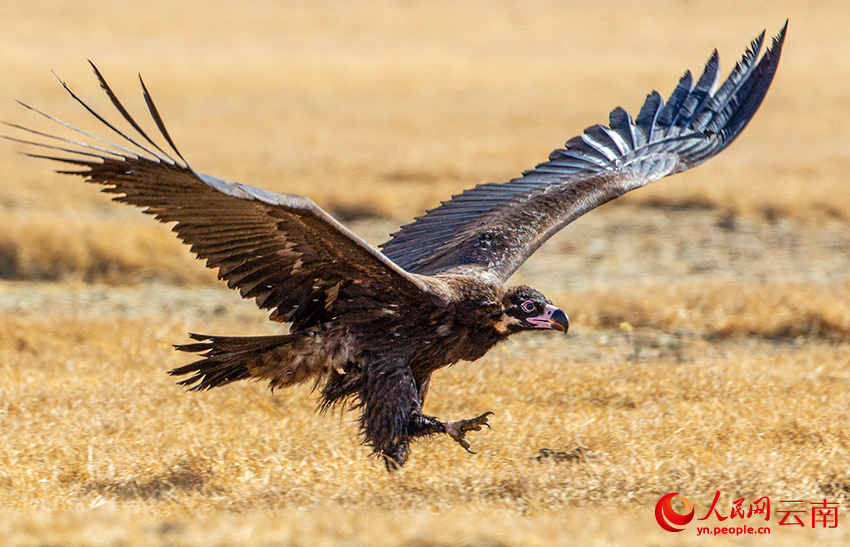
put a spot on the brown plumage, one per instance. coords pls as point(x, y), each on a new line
point(369, 327)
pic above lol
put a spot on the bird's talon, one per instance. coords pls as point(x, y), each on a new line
point(457, 430)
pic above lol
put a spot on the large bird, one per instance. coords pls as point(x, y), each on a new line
point(370, 326)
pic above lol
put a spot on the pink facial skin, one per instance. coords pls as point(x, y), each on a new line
point(551, 318)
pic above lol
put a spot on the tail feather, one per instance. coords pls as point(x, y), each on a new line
point(226, 359)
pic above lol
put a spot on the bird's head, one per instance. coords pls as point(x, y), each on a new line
point(527, 309)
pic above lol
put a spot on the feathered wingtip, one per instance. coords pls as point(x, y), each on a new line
point(705, 110)
point(732, 111)
point(85, 154)
point(698, 120)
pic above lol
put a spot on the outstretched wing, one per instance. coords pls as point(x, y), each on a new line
point(496, 227)
point(282, 250)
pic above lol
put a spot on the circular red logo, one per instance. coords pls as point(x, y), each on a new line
point(668, 518)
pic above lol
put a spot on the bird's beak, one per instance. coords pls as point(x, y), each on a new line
point(551, 318)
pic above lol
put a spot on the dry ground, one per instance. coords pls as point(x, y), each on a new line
point(711, 312)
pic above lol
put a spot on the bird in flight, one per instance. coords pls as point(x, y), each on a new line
point(368, 326)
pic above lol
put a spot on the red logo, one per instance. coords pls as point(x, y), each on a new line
point(668, 518)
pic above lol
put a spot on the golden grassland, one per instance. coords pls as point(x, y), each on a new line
point(711, 311)
point(92, 431)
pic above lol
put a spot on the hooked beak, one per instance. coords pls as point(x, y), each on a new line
point(552, 318)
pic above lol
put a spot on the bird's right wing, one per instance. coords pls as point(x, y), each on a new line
point(282, 250)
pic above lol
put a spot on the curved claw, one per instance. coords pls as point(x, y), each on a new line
point(457, 430)
point(391, 463)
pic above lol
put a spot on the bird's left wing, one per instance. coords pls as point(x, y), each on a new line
point(282, 250)
point(494, 228)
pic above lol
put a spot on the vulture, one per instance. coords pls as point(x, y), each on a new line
point(369, 325)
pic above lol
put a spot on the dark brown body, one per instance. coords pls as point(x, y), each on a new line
point(460, 323)
point(370, 354)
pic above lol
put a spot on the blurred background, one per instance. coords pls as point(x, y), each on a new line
point(381, 109)
point(387, 107)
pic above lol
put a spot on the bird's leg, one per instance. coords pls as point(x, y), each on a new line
point(420, 425)
point(390, 402)
point(457, 430)
point(392, 413)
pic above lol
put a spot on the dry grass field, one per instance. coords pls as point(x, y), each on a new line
point(710, 346)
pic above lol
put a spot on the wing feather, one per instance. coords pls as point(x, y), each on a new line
point(282, 250)
point(648, 115)
point(670, 113)
point(496, 227)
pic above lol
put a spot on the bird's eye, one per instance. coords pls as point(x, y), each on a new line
point(527, 306)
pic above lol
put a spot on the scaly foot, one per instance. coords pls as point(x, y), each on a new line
point(457, 430)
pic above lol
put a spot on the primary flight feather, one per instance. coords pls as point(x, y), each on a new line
point(370, 326)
